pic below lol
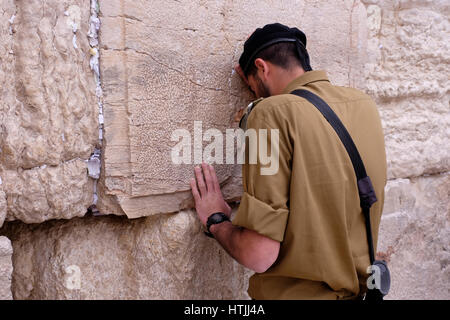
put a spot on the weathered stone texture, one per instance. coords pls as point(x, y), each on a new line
point(2, 208)
point(49, 113)
point(415, 237)
point(6, 268)
point(166, 64)
point(159, 257)
point(407, 73)
point(41, 194)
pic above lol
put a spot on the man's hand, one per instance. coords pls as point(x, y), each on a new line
point(249, 248)
point(208, 196)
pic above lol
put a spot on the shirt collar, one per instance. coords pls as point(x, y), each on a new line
point(305, 79)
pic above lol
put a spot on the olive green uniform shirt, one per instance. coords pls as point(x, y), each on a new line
point(311, 205)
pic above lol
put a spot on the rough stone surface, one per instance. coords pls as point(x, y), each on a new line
point(164, 256)
point(415, 237)
point(48, 108)
point(154, 85)
point(41, 194)
point(407, 74)
point(6, 268)
point(2, 208)
point(165, 64)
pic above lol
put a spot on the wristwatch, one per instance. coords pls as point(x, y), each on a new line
point(215, 218)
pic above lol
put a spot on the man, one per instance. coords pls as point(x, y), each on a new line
point(301, 229)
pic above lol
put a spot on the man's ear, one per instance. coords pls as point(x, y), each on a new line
point(262, 67)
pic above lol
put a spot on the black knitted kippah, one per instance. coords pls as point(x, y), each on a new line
point(267, 36)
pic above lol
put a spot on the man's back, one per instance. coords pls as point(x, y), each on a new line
point(312, 205)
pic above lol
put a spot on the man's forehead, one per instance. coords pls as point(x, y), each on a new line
point(251, 83)
point(251, 79)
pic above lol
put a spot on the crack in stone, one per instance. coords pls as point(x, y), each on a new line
point(125, 16)
point(424, 175)
point(174, 69)
point(44, 166)
point(94, 162)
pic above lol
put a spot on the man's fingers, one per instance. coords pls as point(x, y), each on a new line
point(208, 178)
point(195, 190)
point(214, 178)
point(200, 180)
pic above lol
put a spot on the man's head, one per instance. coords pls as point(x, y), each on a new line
point(273, 56)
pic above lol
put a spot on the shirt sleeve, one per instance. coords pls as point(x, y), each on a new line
point(264, 205)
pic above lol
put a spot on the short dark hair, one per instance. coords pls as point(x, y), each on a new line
point(284, 55)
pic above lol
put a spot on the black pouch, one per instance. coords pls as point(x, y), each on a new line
point(379, 281)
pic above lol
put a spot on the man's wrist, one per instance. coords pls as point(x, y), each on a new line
point(214, 227)
point(214, 219)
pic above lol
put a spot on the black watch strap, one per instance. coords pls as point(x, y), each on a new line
point(215, 218)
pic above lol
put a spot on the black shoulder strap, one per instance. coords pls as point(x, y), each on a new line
point(366, 192)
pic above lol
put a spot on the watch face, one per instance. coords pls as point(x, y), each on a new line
point(216, 217)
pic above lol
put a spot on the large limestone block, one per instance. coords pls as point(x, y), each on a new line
point(49, 112)
point(415, 235)
point(44, 193)
point(6, 269)
point(167, 64)
point(159, 257)
point(407, 73)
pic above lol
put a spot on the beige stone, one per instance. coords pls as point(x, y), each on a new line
point(49, 112)
point(167, 64)
point(2, 208)
point(415, 235)
point(407, 73)
point(6, 268)
point(159, 257)
point(408, 55)
point(44, 193)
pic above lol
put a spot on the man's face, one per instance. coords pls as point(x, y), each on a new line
point(257, 86)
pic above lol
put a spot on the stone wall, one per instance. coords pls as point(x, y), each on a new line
point(6, 268)
point(414, 237)
point(408, 53)
point(164, 65)
point(155, 84)
point(48, 120)
point(160, 257)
